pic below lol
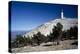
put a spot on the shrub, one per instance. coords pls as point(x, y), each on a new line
point(38, 38)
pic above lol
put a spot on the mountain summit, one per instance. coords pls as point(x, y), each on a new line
point(47, 27)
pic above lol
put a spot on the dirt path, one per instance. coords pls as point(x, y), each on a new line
point(64, 45)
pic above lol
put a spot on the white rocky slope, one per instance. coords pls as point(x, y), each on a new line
point(46, 28)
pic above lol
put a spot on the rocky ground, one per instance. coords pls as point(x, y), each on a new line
point(64, 45)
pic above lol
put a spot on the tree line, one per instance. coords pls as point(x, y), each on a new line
point(57, 35)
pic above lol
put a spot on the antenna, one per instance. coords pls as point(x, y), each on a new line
point(62, 14)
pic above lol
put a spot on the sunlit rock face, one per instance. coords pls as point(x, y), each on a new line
point(47, 27)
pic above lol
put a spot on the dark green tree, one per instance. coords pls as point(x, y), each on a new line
point(19, 40)
point(38, 38)
point(64, 35)
point(71, 33)
point(49, 38)
point(57, 32)
point(74, 32)
point(27, 40)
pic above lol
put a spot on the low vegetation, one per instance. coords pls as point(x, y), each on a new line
point(56, 35)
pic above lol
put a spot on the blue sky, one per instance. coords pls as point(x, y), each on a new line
point(27, 16)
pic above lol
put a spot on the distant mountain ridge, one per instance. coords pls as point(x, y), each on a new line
point(14, 33)
point(47, 27)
